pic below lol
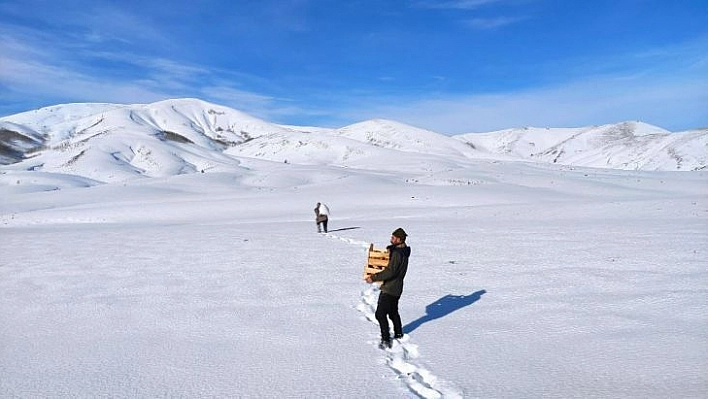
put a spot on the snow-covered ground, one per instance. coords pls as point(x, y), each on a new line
point(524, 281)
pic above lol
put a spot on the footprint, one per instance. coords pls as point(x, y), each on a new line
point(401, 356)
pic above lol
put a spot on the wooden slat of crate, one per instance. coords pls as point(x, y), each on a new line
point(372, 270)
point(377, 260)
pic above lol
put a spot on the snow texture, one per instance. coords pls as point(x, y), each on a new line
point(155, 267)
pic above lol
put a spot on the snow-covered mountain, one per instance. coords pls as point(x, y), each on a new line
point(111, 142)
point(628, 145)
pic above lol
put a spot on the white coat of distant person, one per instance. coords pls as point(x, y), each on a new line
point(321, 217)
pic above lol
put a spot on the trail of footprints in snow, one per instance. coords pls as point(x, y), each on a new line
point(401, 356)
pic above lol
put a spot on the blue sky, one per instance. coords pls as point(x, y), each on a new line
point(452, 66)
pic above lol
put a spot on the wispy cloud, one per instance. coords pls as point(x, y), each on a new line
point(670, 103)
point(33, 62)
point(239, 99)
point(665, 86)
point(456, 4)
point(25, 77)
point(493, 23)
point(467, 7)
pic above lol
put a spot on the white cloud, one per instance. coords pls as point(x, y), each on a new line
point(480, 23)
point(38, 65)
point(94, 22)
point(675, 104)
point(28, 77)
point(666, 86)
point(455, 4)
point(236, 98)
point(28, 71)
point(493, 23)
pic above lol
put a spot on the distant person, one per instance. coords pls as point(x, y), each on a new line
point(392, 287)
point(321, 217)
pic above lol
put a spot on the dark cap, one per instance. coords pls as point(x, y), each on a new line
point(400, 233)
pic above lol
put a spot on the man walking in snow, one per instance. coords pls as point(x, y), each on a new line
point(392, 287)
point(321, 217)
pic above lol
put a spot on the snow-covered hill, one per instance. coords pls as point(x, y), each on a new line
point(401, 137)
point(109, 142)
point(628, 145)
point(113, 143)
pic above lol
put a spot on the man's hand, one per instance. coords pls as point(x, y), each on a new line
point(368, 279)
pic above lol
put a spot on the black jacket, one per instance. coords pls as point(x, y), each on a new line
point(392, 276)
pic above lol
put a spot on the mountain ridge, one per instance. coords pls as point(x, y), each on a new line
point(629, 145)
point(114, 142)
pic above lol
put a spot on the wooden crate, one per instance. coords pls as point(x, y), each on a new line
point(377, 260)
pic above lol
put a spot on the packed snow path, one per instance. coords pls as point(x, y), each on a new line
point(401, 357)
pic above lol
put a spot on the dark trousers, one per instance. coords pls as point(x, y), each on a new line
point(324, 223)
point(387, 308)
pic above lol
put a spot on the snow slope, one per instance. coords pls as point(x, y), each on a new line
point(628, 145)
point(395, 135)
point(17, 140)
point(160, 139)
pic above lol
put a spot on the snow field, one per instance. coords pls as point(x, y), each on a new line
point(541, 282)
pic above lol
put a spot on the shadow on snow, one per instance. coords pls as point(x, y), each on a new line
point(344, 228)
point(443, 307)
